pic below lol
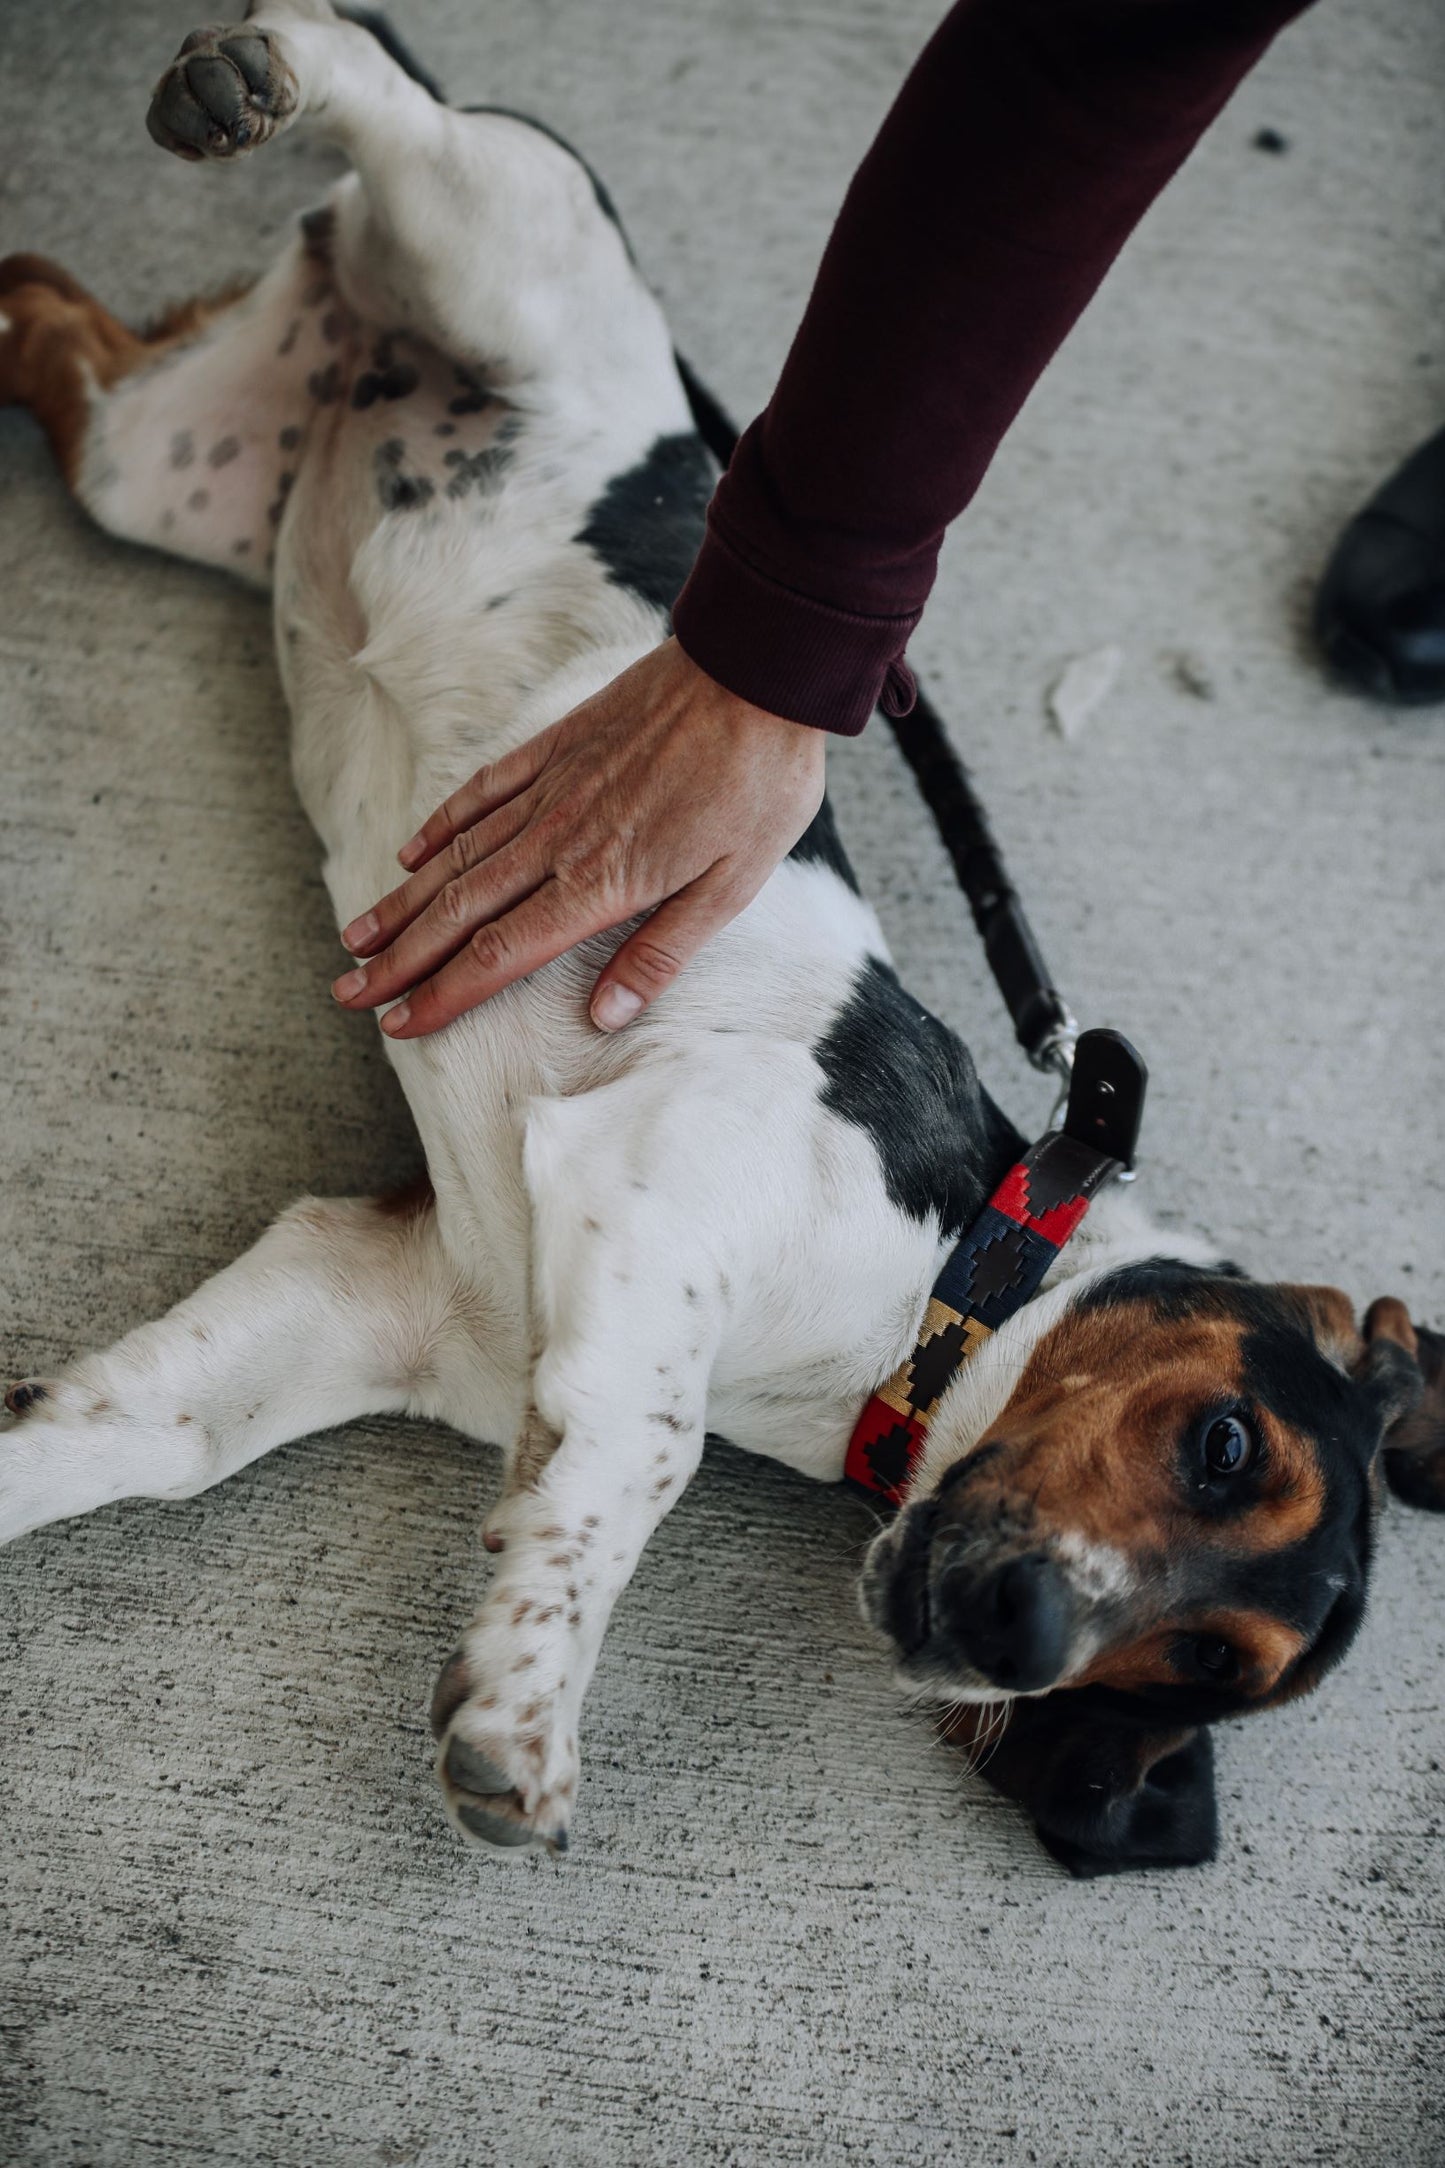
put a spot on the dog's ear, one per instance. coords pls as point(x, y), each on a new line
point(1414, 1457)
point(1400, 1368)
point(1107, 1793)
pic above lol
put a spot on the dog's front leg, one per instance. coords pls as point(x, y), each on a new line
point(626, 1397)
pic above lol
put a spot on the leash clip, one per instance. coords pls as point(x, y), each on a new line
point(1104, 1081)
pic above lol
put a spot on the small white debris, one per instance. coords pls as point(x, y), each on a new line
point(1088, 681)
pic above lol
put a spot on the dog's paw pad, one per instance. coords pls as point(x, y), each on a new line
point(228, 89)
point(487, 1802)
point(472, 1771)
point(251, 52)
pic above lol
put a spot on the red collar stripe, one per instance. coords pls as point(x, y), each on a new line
point(997, 1267)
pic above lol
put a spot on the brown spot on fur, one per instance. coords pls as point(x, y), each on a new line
point(318, 231)
point(520, 1610)
point(1388, 1319)
point(1266, 1648)
point(60, 341)
point(661, 1488)
point(184, 319)
point(409, 1202)
point(525, 1663)
point(1330, 1313)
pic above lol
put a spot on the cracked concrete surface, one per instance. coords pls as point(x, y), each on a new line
point(237, 1927)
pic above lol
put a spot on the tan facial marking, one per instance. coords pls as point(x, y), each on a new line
point(1089, 1443)
point(1266, 1648)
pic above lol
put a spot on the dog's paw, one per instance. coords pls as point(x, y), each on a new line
point(227, 90)
point(508, 1775)
point(28, 1393)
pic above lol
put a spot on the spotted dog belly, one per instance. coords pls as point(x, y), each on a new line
point(290, 381)
point(398, 427)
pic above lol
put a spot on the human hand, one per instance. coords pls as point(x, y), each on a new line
point(662, 793)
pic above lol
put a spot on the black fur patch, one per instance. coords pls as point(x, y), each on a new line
point(894, 1070)
point(481, 470)
point(399, 492)
point(820, 845)
point(318, 230)
point(325, 385)
point(646, 527)
point(393, 383)
point(475, 395)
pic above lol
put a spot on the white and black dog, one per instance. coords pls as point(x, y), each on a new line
point(446, 429)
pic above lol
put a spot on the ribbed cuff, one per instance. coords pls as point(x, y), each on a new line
point(787, 653)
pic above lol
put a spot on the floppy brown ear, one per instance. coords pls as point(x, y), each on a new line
point(1107, 1794)
point(1414, 1457)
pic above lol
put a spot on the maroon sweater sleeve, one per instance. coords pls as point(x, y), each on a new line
point(1027, 143)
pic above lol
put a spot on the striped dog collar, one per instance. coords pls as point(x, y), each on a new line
point(1000, 1263)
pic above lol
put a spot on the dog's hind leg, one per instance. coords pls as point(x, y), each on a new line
point(188, 436)
point(344, 1308)
point(475, 231)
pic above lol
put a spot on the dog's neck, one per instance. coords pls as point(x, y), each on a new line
point(1115, 1232)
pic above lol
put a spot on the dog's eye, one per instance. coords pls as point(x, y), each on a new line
point(1228, 1445)
point(1215, 1657)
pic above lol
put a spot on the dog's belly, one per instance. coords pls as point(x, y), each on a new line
point(432, 604)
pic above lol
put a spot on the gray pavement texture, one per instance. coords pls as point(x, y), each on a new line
point(237, 1927)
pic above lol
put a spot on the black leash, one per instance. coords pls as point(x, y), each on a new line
point(1043, 1024)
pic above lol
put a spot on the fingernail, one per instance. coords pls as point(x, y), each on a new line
point(615, 1006)
point(349, 985)
point(361, 932)
point(411, 852)
point(395, 1018)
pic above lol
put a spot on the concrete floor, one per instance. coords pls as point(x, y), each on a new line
point(238, 1930)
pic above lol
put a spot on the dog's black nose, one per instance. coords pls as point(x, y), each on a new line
point(1014, 1624)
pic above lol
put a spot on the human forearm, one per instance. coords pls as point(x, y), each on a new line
point(1027, 143)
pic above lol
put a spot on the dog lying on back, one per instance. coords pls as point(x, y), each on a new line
point(446, 431)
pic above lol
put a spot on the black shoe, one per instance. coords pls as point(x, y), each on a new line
point(1380, 611)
